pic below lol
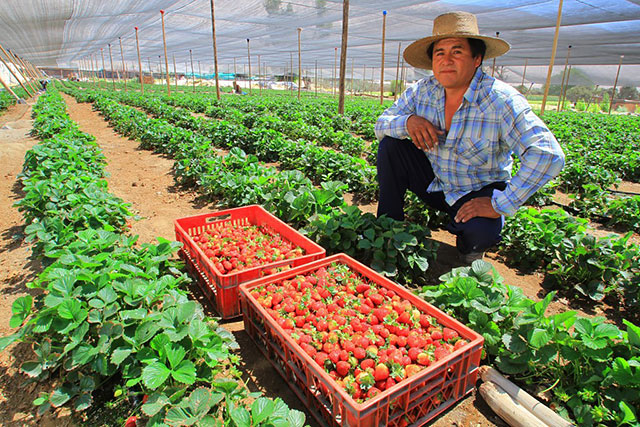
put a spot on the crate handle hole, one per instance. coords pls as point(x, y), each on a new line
point(217, 218)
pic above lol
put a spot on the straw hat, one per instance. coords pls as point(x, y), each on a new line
point(453, 24)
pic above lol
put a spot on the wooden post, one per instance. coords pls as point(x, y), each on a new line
point(316, 78)
point(364, 77)
point(384, 24)
point(161, 69)
point(113, 81)
point(124, 67)
point(553, 58)
point(395, 92)
point(564, 72)
point(615, 83)
point(259, 76)
point(215, 50)
point(175, 71)
point(139, 62)
point(343, 53)
point(93, 70)
point(103, 67)
point(249, 60)
point(193, 74)
point(508, 409)
point(532, 405)
point(299, 63)
point(524, 72)
point(566, 87)
point(351, 77)
point(24, 71)
point(6, 86)
point(166, 59)
point(13, 73)
point(150, 70)
point(335, 71)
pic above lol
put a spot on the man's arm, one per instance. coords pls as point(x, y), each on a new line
point(393, 122)
point(541, 157)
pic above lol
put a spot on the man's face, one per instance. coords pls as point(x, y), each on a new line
point(453, 64)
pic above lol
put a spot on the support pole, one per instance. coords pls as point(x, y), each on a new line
point(395, 92)
point(343, 53)
point(6, 86)
point(524, 72)
point(566, 86)
point(175, 72)
point(564, 73)
point(193, 75)
point(384, 28)
point(351, 77)
point(615, 83)
point(316, 78)
point(24, 70)
point(113, 81)
point(335, 72)
point(553, 58)
point(103, 67)
point(160, 68)
point(291, 62)
point(166, 59)
point(13, 73)
point(215, 50)
point(249, 60)
point(139, 62)
point(299, 63)
point(124, 66)
point(93, 70)
point(259, 76)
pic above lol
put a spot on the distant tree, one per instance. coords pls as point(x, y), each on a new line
point(629, 92)
point(580, 93)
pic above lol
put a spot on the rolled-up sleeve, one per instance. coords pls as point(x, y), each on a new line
point(393, 122)
point(541, 157)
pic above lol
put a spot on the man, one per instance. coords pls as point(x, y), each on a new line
point(449, 138)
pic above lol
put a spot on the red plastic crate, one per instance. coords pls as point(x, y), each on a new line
point(222, 289)
point(414, 401)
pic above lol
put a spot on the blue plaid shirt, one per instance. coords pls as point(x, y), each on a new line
point(493, 121)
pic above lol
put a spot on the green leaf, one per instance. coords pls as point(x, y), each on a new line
point(119, 355)
point(621, 371)
point(200, 401)
point(155, 403)
point(629, 415)
point(21, 309)
point(607, 330)
point(154, 375)
point(633, 333)
point(241, 417)
point(83, 402)
point(145, 331)
point(296, 418)
point(69, 309)
point(177, 416)
point(175, 355)
point(60, 396)
point(261, 409)
point(185, 373)
point(539, 338)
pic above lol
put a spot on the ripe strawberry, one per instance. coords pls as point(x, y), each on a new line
point(381, 372)
point(359, 353)
point(132, 421)
point(412, 369)
point(423, 359)
point(449, 334)
point(373, 391)
point(436, 335)
point(343, 368)
point(367, 363)
point(441, 353)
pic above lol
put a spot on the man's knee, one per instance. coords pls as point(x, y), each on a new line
point(479, 234)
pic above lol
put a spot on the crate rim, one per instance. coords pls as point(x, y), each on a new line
point(239, 209)
point(244, 290)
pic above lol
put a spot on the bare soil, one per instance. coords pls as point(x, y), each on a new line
point(146, 181)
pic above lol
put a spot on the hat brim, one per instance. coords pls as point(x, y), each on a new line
point(416, 53)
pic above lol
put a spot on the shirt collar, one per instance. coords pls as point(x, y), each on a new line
point(471, 95)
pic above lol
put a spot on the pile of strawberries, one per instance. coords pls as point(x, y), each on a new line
point(233, 247)
point(365, 336)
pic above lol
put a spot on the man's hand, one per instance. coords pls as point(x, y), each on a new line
point(422, 132)
point(480, 206)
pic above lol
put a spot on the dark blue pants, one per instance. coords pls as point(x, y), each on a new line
point(402, 167)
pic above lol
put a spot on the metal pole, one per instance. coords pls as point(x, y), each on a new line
point(299, 63)
point(524, 72)
point(564, 72)
point(139, 62)
point(343, 53)
point(193, 75)
point(166, 59)
point(249, 60)
point(553, 58)
point(215, 50)
point(113, 81)
point(615, 83)
point(124, 67)
point(384, 24)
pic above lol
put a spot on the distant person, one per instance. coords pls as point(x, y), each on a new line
point(238, 89)
point(449, 138)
